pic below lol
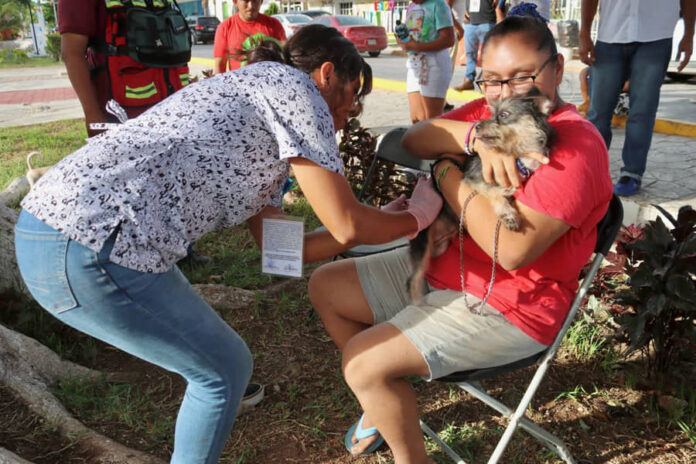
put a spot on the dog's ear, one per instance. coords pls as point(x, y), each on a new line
point(544, 105)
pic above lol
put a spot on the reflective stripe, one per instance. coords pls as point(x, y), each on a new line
point(113, 4)
point(158, 3)
point(139, 3)
point(143, 92)
point(184, 78)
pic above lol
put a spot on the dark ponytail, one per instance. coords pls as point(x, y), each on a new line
point(313, 45)
point(533, 28)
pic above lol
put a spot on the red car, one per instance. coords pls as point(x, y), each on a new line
point(366, 36)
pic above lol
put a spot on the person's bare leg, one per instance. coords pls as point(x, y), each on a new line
point(337, 296)
point(433, 106)
point(416, 107)
point(375, 362)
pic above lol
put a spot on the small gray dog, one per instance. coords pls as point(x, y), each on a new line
point(517, 126)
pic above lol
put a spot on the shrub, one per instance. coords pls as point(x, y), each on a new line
point(53, 46)
point(662, 292)
point(14, 56)
point(357, 151)
point(272, 9)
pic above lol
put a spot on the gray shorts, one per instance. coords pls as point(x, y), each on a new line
point(449, 336)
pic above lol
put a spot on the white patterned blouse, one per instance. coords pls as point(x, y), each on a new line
point(210, 156)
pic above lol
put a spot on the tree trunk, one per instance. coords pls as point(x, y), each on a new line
point(10, 280)
point(28, 368)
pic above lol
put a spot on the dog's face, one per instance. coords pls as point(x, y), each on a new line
point(518, 124)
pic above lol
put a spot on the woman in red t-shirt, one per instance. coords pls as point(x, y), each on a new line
point(364, 303)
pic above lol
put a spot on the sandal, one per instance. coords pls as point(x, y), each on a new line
point(361, 434)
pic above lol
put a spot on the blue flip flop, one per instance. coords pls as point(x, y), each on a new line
point(361, 434)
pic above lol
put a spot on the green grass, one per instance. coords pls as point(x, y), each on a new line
point(54, 140)
point(124, 403)
point(28, 318)
point(236, 258)
point(466, 440)
point(26, 61)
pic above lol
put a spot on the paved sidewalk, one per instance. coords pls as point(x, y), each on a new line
point(42, 94)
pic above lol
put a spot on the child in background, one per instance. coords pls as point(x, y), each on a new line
point(428, 68)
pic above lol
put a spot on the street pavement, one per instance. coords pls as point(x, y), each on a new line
point(42, 94)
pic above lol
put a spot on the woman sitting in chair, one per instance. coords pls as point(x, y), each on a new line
point(365, 305)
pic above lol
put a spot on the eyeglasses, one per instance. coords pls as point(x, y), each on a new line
point(518, 85)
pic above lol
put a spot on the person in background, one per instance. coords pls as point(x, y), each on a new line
point(428, 67)
point(241, 32)
point(98, 247)
point(95, 75)
point(458, 8)
point(543, 7)
point(634, 42)
point(480, 17)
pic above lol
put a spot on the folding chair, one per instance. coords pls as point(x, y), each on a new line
point(389, 150)
point(607, 230)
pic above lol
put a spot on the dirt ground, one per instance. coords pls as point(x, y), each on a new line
point(308, 407)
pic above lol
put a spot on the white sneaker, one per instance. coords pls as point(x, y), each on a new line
point(253, 395)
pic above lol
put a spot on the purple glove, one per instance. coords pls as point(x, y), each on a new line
point(425, 204)
point(397, 205)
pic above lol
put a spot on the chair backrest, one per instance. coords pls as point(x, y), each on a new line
point(390, 149)
point(609, 226)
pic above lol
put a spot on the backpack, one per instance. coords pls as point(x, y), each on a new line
point(147, 46)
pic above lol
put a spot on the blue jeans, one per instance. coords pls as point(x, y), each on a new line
point(473, 35)
point(645, 64)
point(156, 317)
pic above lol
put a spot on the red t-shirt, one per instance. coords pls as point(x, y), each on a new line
point(232, 37)
point(88, 17)
point(574, 187)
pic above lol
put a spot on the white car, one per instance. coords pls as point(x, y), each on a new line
point(690, 70)
point(292, 22)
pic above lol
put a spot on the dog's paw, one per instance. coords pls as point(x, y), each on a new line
point(510, 221)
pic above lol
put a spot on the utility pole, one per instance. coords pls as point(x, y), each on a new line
point(55, 12)
point(33, 29)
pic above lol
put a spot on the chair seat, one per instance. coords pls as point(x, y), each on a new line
point(490, 372)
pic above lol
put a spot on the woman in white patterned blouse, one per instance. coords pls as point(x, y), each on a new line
point(101, 232)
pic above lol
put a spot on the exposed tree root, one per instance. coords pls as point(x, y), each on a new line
point(28, 368)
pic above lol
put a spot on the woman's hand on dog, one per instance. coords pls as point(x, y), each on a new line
point(500, 168)
point(399, 204)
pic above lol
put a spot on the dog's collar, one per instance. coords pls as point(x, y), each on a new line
point(523, 170)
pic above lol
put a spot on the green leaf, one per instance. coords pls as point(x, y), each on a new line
point(643, 277)
point(683, 287)
point(635, 327)
point(656, 304)
point(688, 247)
point(657, 238)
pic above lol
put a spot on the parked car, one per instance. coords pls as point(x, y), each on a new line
point(366, 36)
point(202, 28)
point(313, 13)
point(292, 22)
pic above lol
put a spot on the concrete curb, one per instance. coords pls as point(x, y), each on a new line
point(662, 126)
point(665, 126)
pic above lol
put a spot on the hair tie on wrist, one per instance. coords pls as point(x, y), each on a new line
point(467, 139)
